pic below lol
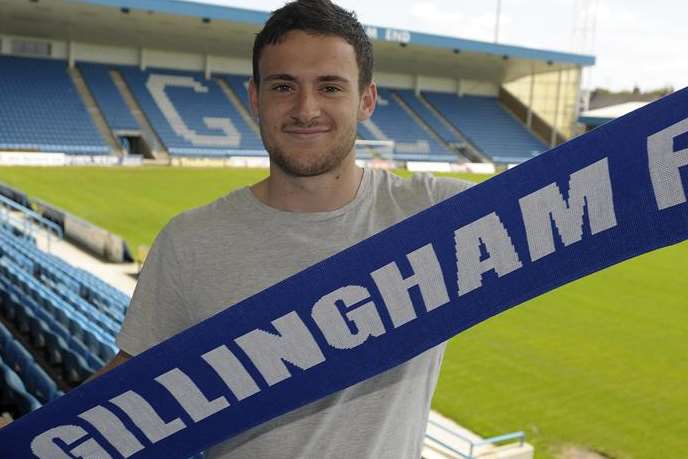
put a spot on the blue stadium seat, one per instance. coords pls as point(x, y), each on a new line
point(94, 362)
point(18, 358)
point(14, 393)
point(488, 126)
point(239, 84)
point(99, 345)
point(412, 141)
point(76, 367)
point(10, 302)
point(56, 309)
point(56, 345)
point(430, 118)
point(107, 96)
point(5, 339)
point(38, 329)
point(42, 110)
point(40, 385)
point(24, 317)
point(190, 114)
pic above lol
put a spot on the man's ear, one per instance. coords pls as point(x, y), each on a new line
point(253, 97)
point(368, 100)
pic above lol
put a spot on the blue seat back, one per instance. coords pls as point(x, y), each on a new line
point(40, 385)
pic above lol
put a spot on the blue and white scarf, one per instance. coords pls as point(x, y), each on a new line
point(604, 197)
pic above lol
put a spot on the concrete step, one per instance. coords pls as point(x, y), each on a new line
point(148, 134)
point(94, 110)
point(425, 127)
point(474, 154)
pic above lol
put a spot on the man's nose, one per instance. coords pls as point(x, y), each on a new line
point(307, 106)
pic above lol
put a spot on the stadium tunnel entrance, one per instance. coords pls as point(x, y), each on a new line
point(134, 144)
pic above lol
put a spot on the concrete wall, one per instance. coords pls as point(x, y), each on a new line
point(236, 66)
point(395, 80)
point(105, 54)
point(478, 88)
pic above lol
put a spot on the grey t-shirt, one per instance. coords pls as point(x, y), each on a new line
point(212, 257)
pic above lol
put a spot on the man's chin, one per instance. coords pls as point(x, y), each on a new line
point(308, 159)
point(306, 169)
point(303, 167)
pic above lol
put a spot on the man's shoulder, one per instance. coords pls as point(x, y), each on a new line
point(436, 189)
point(204, 218)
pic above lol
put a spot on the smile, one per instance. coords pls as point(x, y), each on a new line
point(306, 133)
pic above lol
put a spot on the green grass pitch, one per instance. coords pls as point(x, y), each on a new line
point(601, 363)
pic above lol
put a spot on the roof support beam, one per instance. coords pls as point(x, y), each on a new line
point(71, 54)
point(553, 138)
point(142, 58)
point(529, 117)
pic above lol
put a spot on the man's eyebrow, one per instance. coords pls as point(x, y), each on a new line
point(279, 76)
point(333, 78)
point(323, 78)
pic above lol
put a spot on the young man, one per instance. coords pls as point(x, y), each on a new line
point(312, 83)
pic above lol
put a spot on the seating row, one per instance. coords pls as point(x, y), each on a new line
point(191, 115)
point(50, 270)
point(27, 303)
point(33, 378)
point(14, 397)
point(107, 96)
point(488, 126)
point(46, 110)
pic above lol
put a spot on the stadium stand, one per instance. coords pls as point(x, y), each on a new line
point(190, 114)
point(17, 366)
point(107, 96)
point(42, 111)
point(68, 316)
point(14, 397)
point(430, 118)
point(192, 117)
point(239, 84)
point(412, 141)
point(487, 126)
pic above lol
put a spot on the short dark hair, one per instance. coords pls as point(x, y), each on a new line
point(318, 17)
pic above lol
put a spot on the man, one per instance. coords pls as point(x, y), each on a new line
point(312, 83)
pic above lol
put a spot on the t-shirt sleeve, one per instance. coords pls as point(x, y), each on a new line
point(446, 187)
point(158, 309)
point(439, 188)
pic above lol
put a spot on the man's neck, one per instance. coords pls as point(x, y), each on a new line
point(321, 193)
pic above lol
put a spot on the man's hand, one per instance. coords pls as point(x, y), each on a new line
point(4, 420)
point(116, 361)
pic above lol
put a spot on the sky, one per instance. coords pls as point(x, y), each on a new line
point(636, 42)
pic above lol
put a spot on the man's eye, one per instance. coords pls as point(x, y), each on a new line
point(281, 88)
point(331, 89)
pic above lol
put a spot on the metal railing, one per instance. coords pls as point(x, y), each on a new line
point(31, 219)
point(472, 445)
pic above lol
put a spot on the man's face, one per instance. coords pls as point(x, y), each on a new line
point(308, 102)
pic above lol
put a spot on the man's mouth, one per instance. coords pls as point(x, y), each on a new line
point(306, 133)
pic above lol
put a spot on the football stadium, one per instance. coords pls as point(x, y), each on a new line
point(117, 115)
